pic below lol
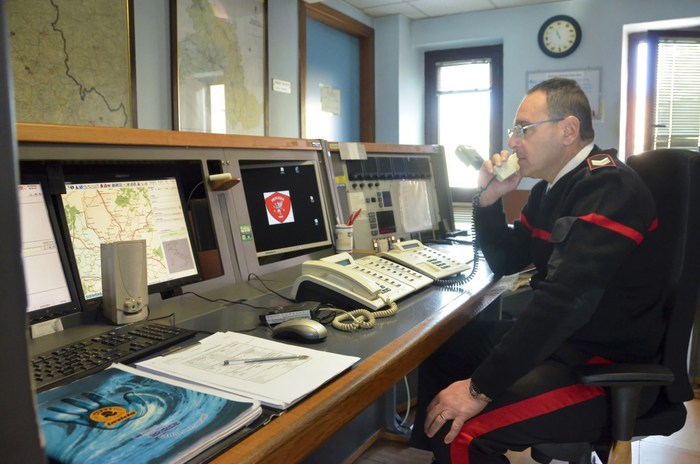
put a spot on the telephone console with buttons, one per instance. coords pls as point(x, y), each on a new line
point(428, 261)
point(370, 282)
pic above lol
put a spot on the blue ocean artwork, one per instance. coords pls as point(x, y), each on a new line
point(115, 416)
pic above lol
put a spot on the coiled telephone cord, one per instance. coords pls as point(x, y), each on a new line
point(359, 319)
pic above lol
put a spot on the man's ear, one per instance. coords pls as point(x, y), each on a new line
point(570, 127)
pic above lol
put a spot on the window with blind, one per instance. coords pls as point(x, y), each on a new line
point(664, 91)
point(677, 109)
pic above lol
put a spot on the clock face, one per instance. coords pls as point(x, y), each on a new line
point(559, 36)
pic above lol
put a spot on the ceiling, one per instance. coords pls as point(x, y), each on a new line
point(420, 9)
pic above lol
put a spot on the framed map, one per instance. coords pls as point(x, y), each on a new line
point(218, 66)
point(72, 61)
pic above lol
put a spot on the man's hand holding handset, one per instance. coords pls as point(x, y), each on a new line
point(498, 176)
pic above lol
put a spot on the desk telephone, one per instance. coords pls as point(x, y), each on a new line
point(426, 260)
point(375, 280)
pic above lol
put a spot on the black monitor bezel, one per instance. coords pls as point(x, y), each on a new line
point(284, 253)
point(94, 171)
point(32, 173)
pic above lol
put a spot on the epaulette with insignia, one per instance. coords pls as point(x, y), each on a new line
point(600, 160)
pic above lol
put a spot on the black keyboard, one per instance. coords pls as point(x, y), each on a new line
point(123, 344)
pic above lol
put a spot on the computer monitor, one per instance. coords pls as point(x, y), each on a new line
point(105, 203)
point(286, 207)
point(49, 288)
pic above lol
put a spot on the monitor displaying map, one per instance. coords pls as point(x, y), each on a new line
point(134, 209)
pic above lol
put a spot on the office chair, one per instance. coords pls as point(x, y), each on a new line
point(673, 176)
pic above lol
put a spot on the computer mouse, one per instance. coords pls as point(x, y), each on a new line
point(300, 330)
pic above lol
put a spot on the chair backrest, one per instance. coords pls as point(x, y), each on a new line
point(673, 176)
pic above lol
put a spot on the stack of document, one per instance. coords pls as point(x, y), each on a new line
point(123, 415)
point(276, 374)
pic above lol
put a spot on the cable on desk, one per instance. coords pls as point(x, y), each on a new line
point(170, 316)
point(359, 319)
point(460, 279)
point(257, 277)
point(224, 300)
point(362, 318)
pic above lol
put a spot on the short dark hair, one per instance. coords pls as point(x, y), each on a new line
point(566, 98)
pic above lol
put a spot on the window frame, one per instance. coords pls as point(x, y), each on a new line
point(652, 38)
point(432, 61)
point(365, 34)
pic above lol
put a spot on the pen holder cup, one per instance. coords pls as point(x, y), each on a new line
point(343, 238)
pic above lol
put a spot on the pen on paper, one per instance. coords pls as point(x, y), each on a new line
point(230, 362)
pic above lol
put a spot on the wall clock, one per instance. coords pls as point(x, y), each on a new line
point(559, 36)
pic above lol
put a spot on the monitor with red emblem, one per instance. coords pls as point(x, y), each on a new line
point(285, 205)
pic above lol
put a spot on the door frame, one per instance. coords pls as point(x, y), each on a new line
point(365, 34)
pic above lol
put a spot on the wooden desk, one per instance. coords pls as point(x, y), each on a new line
point(389, 351)
point(303, 428)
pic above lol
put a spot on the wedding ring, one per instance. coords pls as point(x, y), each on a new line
point(442, 417)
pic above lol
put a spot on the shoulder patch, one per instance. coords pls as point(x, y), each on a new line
point(601, 160)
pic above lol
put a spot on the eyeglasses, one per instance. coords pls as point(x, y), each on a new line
point(519, 130)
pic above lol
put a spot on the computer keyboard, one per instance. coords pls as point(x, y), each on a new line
point(92, 354)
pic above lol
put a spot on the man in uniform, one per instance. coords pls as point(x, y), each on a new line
point(589, 230)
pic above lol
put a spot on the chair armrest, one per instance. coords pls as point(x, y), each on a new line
point(611, 375)
point(625, 382)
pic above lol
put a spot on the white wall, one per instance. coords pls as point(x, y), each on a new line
point(153, 81)
point(388, 32)
point(400, 44)
point(153, 73)
point(601, 21)
point(284, 113)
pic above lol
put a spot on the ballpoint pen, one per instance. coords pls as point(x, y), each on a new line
point(229, 362)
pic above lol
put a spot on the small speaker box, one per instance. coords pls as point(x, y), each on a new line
point(124, 281)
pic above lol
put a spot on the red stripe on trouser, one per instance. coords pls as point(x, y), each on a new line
point(517, 412)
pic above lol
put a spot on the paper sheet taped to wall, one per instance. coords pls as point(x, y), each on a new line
point(414, 205)
point(352, 151)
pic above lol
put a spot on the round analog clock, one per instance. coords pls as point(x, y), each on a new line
point(559, 36)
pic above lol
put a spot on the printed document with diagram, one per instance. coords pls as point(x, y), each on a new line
point(245, 365)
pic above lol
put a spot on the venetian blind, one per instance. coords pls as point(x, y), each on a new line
point(677, 112)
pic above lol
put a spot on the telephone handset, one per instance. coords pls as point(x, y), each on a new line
point(428, 261)
point(470, 157)
point(342, 280)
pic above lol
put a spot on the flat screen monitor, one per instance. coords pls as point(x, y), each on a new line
point(286, 208)
point(138, 205)
point(49, 288)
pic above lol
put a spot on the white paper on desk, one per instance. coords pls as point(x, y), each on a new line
point(276, 384)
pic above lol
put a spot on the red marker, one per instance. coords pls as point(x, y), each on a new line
point(354, 216)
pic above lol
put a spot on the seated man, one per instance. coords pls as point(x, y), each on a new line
point(589, 229)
